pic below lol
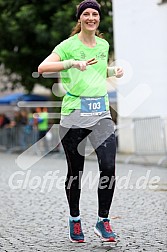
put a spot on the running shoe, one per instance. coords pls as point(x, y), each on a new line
point(104, 231)
point(75, 232)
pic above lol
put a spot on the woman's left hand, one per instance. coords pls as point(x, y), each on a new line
point(119, 72)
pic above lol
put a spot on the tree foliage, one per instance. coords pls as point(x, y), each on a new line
point(30, 29)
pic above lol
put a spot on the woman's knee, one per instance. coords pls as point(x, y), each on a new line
point(73, 181)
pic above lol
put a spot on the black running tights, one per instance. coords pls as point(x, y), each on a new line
point(102, 138)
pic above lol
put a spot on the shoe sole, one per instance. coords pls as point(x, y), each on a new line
point(111, 239)
point(75, 241)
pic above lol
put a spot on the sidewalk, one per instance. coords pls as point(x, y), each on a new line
point(122, 158)
point(34, 212)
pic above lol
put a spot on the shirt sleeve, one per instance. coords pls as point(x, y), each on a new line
point(61, 50)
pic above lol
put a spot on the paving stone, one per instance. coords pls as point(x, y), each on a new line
point(34, 217)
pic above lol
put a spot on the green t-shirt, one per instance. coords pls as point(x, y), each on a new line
point(88, 83)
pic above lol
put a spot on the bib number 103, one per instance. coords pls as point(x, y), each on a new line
point(92, 106)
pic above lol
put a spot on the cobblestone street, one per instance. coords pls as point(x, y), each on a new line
point(34, 212)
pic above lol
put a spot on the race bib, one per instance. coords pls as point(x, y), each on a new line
point(92, 106)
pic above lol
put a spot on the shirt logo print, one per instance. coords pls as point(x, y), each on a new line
point(82, 54)
point(101, 56)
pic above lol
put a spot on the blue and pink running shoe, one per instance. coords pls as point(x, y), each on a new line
point(75, 232)
point(104, 231)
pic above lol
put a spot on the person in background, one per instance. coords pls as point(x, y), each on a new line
point(5, 131)
point(82, 60)
point(4, 121)
point(42, 118)
point(19, 128)
point(32, 125)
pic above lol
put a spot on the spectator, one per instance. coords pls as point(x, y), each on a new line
point(5, 131)
point(20, 123)
point(42, 116)
point(4, 121)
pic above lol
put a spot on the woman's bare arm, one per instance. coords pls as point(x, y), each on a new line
point(53, 64)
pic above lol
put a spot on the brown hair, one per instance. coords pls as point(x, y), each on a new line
point(77, 29)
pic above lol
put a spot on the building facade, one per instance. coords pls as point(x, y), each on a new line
point(140, 39)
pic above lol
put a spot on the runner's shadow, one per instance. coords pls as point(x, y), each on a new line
point(106, 247)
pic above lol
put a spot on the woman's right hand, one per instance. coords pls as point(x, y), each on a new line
point(82, 65)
